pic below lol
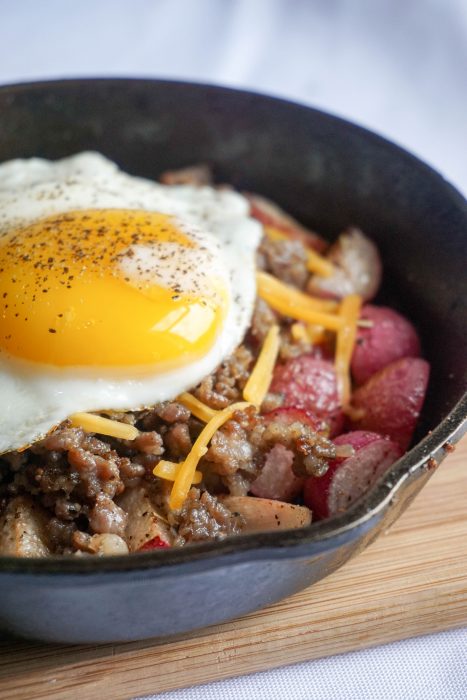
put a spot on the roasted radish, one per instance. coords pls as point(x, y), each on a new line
point(262, 514)
point(349, 477)
point(277, 479)
point(144, 521)
point(388, 337)
point(310, 383)
point(391, 400)
point(357, 268)
point(23, 529)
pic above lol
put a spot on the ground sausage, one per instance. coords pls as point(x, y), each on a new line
point(204, 518)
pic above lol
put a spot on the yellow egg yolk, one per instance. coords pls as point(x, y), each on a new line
point(66, 297)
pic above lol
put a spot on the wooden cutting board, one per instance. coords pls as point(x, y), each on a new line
point(411, 581)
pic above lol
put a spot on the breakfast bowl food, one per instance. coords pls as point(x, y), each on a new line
point(329, 175)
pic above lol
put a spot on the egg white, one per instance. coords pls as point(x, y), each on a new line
point(37, 397)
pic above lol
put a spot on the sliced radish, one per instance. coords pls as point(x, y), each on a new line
point(277, 479)
point(348, 478)
point(357, 268)
point(391, 400)
point(310, 383)
point(262, 514)
point(145, 524)
point(390, 337)
point(24, 529)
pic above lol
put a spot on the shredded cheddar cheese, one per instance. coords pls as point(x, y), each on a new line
point(299, 332)
point(197, 407)
point(259, 380)
point(350, 311)
point(276, 234)
point(186, 470)
point(308, 333)
point(315, 262)
point(104, 426)
point(319, 265)
point(169, 470)
point(316, 334)
point(291, 302)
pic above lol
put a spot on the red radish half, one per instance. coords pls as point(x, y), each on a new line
point(310, 383)
point(391, 400)
point(390, 337)
point(350, 477)
point(277, 479)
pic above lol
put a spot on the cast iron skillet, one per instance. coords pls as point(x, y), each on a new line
point(329, 174)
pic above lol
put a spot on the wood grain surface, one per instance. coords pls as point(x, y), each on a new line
point(411, 581)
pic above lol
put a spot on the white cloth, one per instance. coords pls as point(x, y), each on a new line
point(398, 67)
point(426, 668)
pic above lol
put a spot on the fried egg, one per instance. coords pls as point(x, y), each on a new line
point(115, 292)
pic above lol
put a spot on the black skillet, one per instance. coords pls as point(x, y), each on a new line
point(329, 174)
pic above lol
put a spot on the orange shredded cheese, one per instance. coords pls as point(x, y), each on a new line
point(315, 262)
point(104, 426)
point(197, 407)
point(350, 312)
point(308, 333)
point(260, 378)
point(291, 302)
point(319, 265)
point(316, 334)
point(169, 470)
point(299, 332)
point(276, 234)
point(186, 470)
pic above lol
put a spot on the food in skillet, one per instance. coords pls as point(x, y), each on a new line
point(180, 363)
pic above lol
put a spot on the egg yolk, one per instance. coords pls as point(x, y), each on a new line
point(67, 298)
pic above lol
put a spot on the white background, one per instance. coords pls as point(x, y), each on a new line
point(398, 67)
